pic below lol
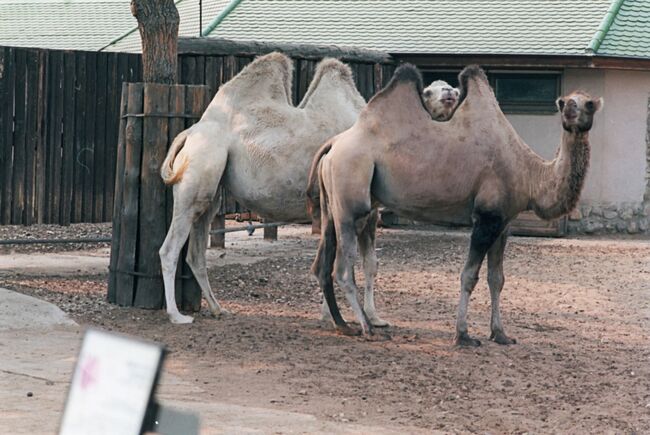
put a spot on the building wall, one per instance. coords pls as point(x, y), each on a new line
point(613, 197)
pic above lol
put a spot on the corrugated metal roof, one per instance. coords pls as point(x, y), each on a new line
point(420, 26)
point(63, 24)
point(629, 33)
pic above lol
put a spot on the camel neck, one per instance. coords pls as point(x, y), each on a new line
point(560, 183)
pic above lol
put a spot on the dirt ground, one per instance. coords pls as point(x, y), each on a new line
point(579, 309)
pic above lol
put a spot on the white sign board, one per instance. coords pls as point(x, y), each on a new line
point(111, 385)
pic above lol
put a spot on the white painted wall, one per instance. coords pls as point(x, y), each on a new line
point(618, 139)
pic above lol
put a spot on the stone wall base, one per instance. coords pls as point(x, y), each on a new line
point(631, 218)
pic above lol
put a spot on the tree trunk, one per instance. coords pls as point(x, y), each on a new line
point(158, 24)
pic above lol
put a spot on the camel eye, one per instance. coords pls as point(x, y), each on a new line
point(590, 106)
point(427, 93)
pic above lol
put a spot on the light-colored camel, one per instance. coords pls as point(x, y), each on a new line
point(440, 100)
point(253, 141)
point(473, 170)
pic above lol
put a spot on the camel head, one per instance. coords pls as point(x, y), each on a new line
point(577, 110)
point(440, 99)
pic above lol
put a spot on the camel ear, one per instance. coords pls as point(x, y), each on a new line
point(560, 103)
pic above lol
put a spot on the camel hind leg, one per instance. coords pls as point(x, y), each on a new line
point(346, 253)
point(193, 195)
point(367, 249)
point(196, 255)
point(170, 252)
point(322, 267)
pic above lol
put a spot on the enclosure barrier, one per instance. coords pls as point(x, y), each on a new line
point(250, 229)
point(152, 115)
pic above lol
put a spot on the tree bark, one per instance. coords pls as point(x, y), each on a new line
point(158, 24)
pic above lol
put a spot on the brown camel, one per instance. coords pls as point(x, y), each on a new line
point(473, 170)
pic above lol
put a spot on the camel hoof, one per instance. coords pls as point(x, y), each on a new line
point(500, 338)
point(220, 312)
point(379, 337)
point(180, 319)
point(379, 323)
point(347, 331)
point(463, 339)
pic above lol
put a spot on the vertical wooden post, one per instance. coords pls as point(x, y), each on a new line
point(117, 203)
point(152, 222)
point(270, 233)
point(143, 205)
point(219, 223)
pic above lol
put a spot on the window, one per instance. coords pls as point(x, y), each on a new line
point(517, 92)
point(526, 93)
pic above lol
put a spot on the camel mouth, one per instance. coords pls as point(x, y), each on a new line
point(448, 102)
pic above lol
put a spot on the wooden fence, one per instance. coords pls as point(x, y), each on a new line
point(59, 123)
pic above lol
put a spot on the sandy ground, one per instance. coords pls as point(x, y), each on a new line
point(579, 308)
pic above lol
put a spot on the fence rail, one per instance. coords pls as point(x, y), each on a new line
point(59, 124)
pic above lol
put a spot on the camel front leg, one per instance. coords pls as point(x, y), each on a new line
point(495, 282)
point(487, 229)
point(367, 248)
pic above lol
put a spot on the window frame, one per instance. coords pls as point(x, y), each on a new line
point(517, 107)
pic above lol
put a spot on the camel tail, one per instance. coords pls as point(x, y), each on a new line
point(313, 205)
point(323, 265)
point(170, 175)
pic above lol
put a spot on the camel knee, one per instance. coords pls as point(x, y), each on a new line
point(370, 267)
point(468, 280)
point(167, 258)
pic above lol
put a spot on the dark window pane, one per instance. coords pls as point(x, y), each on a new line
point(526, 89)
point(429, 77)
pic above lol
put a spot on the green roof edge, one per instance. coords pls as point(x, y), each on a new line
point(119, 38)
point(219, 18)
point(604, 27)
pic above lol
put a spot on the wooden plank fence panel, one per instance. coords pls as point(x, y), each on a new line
point(7, 93)
point(54, 135)
point(126, 261)
point(69, 119)
point(99, 154)
point(40, 196)
point(118, 198)
point(20, 159)
point(151, 225)
point(59, 124)
point(79, 137)
point(3, 155)
point(113, 94)
point(86, 156)
point(31, 134)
